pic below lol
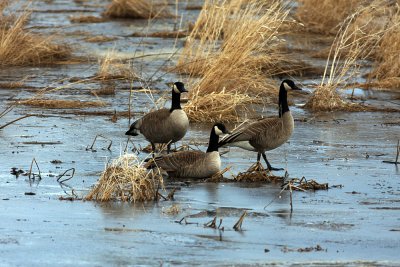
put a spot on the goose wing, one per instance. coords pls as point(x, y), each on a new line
point(178, 160)
point(252, 131)
point(156, 116)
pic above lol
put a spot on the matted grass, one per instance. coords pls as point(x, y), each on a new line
point(60, 104)
point(138, 9)
point(20, 47)
point(125, 179)
point(87, 19)
point(228, 48)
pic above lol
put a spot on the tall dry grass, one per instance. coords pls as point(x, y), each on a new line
point(18, 46)
point(138, 9)
point(226, 53)
point(354, 42)
point(324, 16)
point(387, 65)
point(125, 179)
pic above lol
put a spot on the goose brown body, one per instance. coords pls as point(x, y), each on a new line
point(163, 126)
point(193, 164)
point(266, 134)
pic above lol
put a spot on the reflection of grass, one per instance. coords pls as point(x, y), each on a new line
point(20, 47)
point(228, 48)
point(139, 9)
point(126, 180)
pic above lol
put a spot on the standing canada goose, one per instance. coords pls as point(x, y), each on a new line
point(266, 134)
point(193, 164)
point(164, 126)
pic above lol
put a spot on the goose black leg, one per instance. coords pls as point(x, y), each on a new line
point(153, 148)
point(258, 157)
point(269, 165)
point(168, 148)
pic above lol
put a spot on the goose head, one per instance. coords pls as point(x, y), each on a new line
point(289, 85)
point(219, 129)
point(178, 88)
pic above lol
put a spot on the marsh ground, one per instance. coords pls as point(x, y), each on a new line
point(356, 223)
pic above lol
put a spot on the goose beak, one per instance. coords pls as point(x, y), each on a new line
point(295, 87)
point(184, 90)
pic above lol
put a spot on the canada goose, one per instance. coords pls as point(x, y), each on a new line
point(164, 126)
point(266, 134)
point(193, 164)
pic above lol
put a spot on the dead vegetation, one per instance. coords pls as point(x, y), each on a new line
point(19, 47)
point(113, 68)
point(230, 53)
point(304, 185)
point(60, 104)
point(323, 16)
point(99, 39)
point(138, 9)
point(257, 173)
point(219, 106)
point(387, 65)
point(126, 180)
point(87, 19)
point(353, 43)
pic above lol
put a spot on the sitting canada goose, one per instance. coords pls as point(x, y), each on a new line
point(164, 126)
point(193, 164)
point(265, 134)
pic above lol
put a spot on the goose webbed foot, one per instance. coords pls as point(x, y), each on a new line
point(270, 168)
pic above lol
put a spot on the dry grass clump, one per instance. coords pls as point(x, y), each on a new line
point(352, 44)
point(138, 9)
point(60, 104)
point(323, 16)
point(218, 106)
point(112, 68)
point(125, 179)
point(387, 70)
point(304, 185)
point(257, 173)
point(20, 47)
point(228, 48)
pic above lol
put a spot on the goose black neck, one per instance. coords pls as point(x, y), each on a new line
point(283, 104)
point(213, 143)
point(176, 101)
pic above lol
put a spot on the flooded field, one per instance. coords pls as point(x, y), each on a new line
point(356, 222)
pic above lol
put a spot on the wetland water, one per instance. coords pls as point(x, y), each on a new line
point(356, 224)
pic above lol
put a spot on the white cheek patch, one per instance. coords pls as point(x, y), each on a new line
point(176, 90)
point(287, 87)
point(217, 130)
